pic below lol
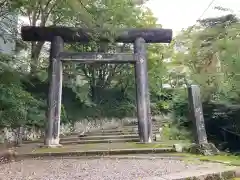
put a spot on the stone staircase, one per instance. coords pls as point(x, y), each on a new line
point(127, 133)
point(116, 135)
point(123, 139)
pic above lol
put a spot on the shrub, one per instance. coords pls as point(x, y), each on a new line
point(174, 132)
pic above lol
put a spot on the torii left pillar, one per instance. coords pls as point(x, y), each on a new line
point(55, 93)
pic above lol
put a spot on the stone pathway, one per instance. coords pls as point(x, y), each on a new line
point(100, 169)
point(122, 167)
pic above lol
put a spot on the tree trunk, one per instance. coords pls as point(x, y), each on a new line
point(93, 89)
point(35, 53)
point(2, 139)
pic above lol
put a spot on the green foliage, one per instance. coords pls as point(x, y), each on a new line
point(174, 132)
point(89, 91)
point(15, 102)
point(180, 128)
point(109, 90)
point(212, 52)
point(179, 107)
point(210, 57)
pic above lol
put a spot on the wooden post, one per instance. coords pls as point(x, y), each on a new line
point(55, 93)
point(142, 91)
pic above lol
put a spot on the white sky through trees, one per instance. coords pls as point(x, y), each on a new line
point(178, 14)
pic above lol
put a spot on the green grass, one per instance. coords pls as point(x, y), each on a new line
point(222, 158)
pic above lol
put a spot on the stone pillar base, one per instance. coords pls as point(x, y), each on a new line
point(157, 137)
point(148, 142)
point(50, 146)
point(206, 149)
point(51, 143)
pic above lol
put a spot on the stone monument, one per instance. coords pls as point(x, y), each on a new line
point(196, 115)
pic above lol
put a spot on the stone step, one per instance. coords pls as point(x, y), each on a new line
point(78, 140)
point(69, 134)
point(157, 124)
point(120, 129)
point(136, 129)
point(104, 134)
point(99, 141)
point(96, 152)
point(108, 131)
point(123, 129)
point(65, 138)
point(98, 137)
point(111, 133)
point(153, 126)
point(133, 126)
point(109, 137)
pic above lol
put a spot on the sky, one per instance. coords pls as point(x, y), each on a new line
point(178, 14)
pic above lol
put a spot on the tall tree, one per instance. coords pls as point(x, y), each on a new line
point(201, 52)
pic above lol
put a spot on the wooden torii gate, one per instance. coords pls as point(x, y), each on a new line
point(60, 35)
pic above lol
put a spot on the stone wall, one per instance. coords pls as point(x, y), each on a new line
point(85, 125)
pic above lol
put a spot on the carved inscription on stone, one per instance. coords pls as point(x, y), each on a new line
point(196, 112)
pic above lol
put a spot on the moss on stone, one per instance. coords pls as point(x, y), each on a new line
point(227, 175)
point(202, 149)
point(221, 158)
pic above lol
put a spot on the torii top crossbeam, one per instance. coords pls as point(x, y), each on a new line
point(71, 34)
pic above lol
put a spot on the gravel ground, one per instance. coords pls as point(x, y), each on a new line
point(95, 169)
